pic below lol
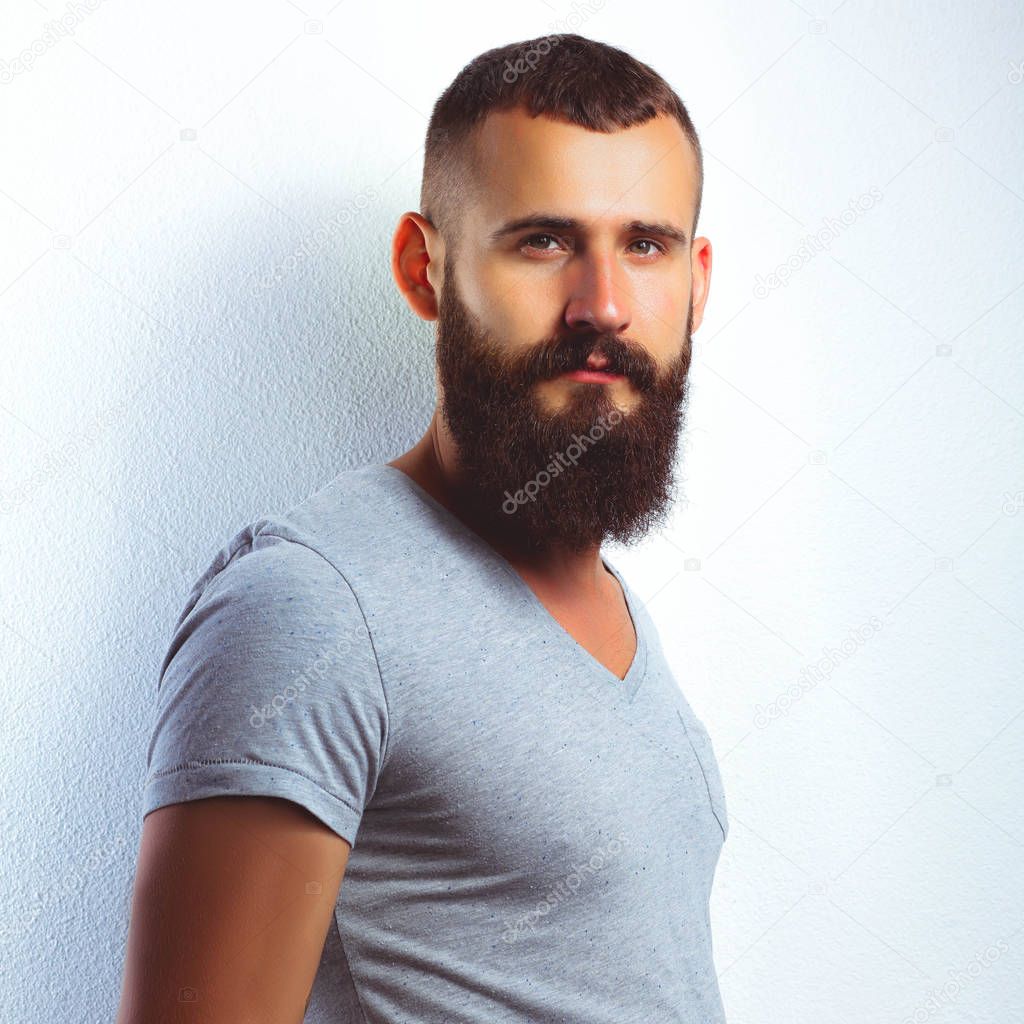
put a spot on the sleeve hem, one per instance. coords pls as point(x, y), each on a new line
point(198, 779)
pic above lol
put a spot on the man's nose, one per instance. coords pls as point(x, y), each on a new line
point(598, 297)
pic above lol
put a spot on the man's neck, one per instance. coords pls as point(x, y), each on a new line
point(566, 575)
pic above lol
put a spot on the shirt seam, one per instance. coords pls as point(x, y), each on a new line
point(209, 762)
point(387, 712)
point(703, 772)
point(369, 633)
point(639, 627)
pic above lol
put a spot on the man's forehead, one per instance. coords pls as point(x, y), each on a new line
point(645, 172)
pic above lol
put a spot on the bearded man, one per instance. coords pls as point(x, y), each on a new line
point(473, 789)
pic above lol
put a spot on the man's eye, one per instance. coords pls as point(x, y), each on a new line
point(538, 242)
point(534, 238)
point(649, 241)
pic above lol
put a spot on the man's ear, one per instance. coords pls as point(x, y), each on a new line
point(700, 276)
point(417, 262)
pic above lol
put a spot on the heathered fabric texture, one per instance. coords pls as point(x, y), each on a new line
point(534, 839)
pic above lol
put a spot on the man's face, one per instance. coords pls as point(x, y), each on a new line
point(546, 460)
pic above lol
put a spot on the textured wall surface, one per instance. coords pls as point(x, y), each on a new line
point(198, 326)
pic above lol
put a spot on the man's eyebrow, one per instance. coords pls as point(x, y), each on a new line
point(554, 223)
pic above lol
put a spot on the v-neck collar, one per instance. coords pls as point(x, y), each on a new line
point(627, 686)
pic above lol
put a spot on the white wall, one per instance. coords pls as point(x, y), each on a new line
point(853, 468)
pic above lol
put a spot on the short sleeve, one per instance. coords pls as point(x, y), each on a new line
point(270, 687)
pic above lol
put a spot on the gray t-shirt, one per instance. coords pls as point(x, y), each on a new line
point(534, 839)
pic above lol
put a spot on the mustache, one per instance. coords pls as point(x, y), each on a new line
point(555, 356)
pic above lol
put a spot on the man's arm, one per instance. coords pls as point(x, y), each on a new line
point(232, 901)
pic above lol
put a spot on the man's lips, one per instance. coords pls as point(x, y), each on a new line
point(593, 376)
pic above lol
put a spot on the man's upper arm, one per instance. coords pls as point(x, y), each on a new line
point(232, 901)
point(270, 687)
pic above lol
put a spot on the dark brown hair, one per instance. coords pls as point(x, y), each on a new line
point(564, 76)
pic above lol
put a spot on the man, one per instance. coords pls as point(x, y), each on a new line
point(425, 679)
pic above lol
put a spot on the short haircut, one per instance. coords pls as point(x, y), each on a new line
point(565, 76)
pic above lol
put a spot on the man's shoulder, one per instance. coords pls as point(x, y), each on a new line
point(354, 500)
point(309, 546)
point(356, 514)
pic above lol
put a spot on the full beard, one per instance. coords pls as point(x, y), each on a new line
point(539, 480)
